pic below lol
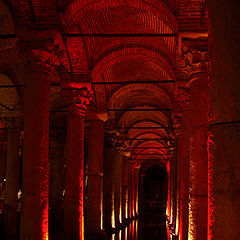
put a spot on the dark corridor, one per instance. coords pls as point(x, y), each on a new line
point(151, 224)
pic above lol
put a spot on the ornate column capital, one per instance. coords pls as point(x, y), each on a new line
point(41, 50)
point(134, 163)
point(78, 96)
point(196, 61)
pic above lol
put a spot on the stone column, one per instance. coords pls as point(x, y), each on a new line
point(136, 191)
point(224, 134)
point(130, 191)
point(78, 96)
point(198, 180)
point(57, 144)
point(173, 187)
point(124, 189)
point(177, 174)
point(182, 131)
point(35, 183)
point(133, 192)
point(117, 180)
point(95, 178)
point(184, 173)
point(12, 178)
point(108, 165)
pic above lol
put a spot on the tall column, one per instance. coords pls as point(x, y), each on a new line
point(124, 189)
point(12, 178)
point(135, 192)
point(130, 192)
point(108, 165)
point(184, 173)
point(173, 187)
point(198, 180)
point(224, 134)
point(35, 183)
point(78, 97)
point(57, 143)
point(182, 127)
point(117, 180)
point(95, 178)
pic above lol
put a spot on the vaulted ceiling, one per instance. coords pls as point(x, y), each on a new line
point(116, 45)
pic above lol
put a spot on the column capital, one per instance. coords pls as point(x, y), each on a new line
point(78, 96)
point(41, 50)
point(134, 164)
point(196, 61)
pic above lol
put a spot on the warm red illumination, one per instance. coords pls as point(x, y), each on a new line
point(211, 148)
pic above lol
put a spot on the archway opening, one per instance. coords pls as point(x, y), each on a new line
point(153, 194)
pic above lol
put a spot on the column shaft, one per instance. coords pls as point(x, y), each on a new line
point(56, 184)
point(224, 135)
point(74, 181)
point(109, 220)
point(198, 157)
point(95, 177)
point(34, 214)
point(184, 181)
point(124, 189)
point(117, 180)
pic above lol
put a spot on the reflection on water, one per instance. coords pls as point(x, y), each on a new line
point(141, 230)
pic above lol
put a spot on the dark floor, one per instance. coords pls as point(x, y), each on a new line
point(142, 230)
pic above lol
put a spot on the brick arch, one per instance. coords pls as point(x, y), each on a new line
point(138, 96)
point(78, 7)
point(132, 52)
point(132, 131)
point(120, 17)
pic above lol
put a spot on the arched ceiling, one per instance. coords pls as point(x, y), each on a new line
point(133, 76)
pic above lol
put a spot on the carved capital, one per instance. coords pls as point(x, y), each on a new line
point(196, 61)
point(78, 96)
point(134, 163)
point(41, 50)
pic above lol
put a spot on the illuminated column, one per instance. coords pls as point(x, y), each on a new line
point(35, 183)
point(136, 177)
point(108, 165)
point(173, 187)
point(198, 179)
point(95, 177)
point(133, 197)
point(117, 180)
point(78, 96)
point(184, 174)
point(182, 130)
point(125, 189)
point(177, 171)
point(224, 134)
point(56, 158)
point(130, 191)
point(12, 177)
